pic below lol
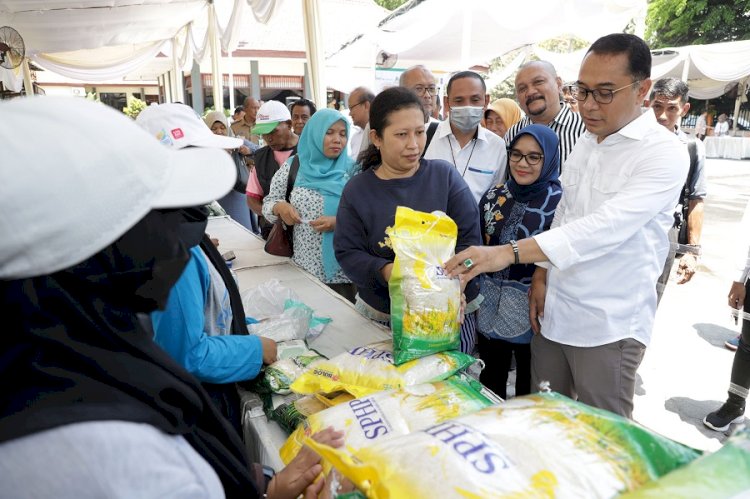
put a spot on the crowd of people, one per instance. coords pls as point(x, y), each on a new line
point(129, 330)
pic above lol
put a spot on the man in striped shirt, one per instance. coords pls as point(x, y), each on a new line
point(538, 91)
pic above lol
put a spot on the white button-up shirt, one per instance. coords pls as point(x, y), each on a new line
point(608, 240)
point(481, 162)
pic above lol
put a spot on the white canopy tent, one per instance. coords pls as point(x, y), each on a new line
point(708, 69)
point(102, 40)
point(449, 35)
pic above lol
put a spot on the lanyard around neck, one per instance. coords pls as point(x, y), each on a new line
point(471, 153)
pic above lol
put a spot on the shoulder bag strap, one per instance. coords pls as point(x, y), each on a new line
point(292, 177)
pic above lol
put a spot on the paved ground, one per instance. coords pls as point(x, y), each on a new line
point(685, 373)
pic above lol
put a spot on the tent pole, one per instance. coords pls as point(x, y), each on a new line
point(315, 50)
point(737, 103)
point(28, 85)
point(216, 73)
point(230, 68)
point(176, 74)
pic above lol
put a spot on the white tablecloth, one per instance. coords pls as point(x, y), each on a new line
point(727, 147)
point(347, 330)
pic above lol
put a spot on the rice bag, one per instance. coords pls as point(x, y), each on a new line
point(425, 302)
point(393, 412)
point(368, 369)
point(543, 445)
point(722, 474)
point(278, 377)
point(293, 409)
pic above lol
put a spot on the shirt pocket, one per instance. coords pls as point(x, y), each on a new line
point(605, 187)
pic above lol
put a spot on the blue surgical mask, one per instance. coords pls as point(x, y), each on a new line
point(466, 118)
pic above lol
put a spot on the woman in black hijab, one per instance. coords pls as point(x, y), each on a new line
point(90, 406)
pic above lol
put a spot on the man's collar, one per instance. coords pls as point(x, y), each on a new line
point(641, 126)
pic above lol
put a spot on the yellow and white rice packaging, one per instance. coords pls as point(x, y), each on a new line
point(425, 302)
point(368, 369)
point(393, 412)
point(543, 445)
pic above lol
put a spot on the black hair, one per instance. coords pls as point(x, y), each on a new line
point(238, 109)
point(366, 94)
point(465, 74)
point(639, 56)
point(303, 102)
point(671, 88)
point(386, 102)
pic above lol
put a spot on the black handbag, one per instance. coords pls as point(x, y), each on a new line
point(280, 240)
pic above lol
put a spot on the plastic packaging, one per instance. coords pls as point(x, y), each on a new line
point(393, 412)
point(267, 299)
point(368, 369)
point(425, 302)
point(278, 377)
point(296, 322)
point(723, 474)
point(543, 445)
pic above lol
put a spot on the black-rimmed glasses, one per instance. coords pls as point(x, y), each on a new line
point(420, 90)
point(601, 95)
point(533, 158)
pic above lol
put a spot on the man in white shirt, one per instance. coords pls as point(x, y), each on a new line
point(478, 154)
point(608, 240)
point(359, 111)
point(722, 126)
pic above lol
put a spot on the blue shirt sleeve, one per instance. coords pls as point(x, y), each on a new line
point(179, 330)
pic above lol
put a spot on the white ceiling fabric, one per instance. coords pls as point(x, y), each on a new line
point(450, 35)
point(65, 36)
point(710, 70)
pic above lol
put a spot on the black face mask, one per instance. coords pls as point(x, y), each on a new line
point(193, 225)
point(139, 269)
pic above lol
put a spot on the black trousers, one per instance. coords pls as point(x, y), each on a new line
point(740, 380)
point(497, 355)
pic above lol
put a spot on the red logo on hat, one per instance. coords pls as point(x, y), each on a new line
point(177, 133)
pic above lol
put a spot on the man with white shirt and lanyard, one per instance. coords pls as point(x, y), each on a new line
point(539, 93)
point(593, 308)
point(478, 154)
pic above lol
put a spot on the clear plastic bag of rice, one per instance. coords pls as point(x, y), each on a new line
point(368, 369)
point(393, 412)
point(425, 302)
point(543, 445)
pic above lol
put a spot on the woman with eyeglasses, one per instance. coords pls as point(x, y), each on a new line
point(522, 207)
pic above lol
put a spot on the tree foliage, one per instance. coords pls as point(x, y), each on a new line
point(391, 4)
point(674, 23)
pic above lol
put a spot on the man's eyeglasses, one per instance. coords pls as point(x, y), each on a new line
point(420, 90)
point(532, 158)
point(601, 95)
point(357, 104)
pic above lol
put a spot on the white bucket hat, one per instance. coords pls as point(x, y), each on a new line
point(177, 126)
point(76, 175)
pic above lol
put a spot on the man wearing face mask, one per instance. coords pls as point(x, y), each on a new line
point(478, 155)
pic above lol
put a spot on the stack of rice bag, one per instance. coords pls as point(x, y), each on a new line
point(542, 445)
